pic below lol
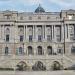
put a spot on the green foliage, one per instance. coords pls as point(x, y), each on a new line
point(6, 69)
point(56, 66)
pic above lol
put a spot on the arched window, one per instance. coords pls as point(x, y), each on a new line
point(49, 49)
point(38, 66)
point(7, 34)
point(73, 50)
point(40, 52)
point(30, 51)
point(20, 50)
point(6, 51)
point(7, 31)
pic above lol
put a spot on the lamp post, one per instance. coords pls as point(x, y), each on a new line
point(64, 33)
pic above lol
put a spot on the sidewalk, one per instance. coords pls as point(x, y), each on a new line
point(37, 73)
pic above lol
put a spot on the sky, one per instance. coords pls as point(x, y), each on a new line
point(31, 5)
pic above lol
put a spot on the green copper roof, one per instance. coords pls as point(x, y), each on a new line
point(39, 9)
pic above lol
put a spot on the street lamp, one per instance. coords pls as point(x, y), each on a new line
point(64, 33)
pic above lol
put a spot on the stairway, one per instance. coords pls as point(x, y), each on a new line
point(68, 61)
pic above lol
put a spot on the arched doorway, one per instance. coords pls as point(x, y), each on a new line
point(40, 51)
point(39, 66)
point(49, 49)
point(22, 66)
point(56, 65)
point(30, 50)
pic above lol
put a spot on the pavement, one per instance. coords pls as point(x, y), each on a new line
point(37, 73)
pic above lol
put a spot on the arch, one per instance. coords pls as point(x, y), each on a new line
point(30, 50)
point(20, 50)
point(22, 66)
point(73, 50)
point(7, 30)
point(6, 50)
point(39, 66)
point(49, 49)
point(40, 51)
point(56, 65)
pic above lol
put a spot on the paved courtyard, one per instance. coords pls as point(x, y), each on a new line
point(38, 73)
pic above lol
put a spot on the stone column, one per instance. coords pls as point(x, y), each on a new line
point(12, 33)
point(3, 33)
point(52, 33)
point(16, 34)
point(62, 31)
point(45, 34)
point(16, 37)
point(33, 33)
point(35, 49)
point(65, 32)
point(36, 33)
point(68, 31)
point(24, 33)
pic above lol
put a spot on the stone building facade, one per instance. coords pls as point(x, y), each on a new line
point(37, 38)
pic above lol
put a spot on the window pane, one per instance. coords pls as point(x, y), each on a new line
point(39, 38)
point(60, 51)
point(7, 37)
point(48, 37)
point(6, 50)
point(30, 38)
point(20, 50)
point(30, 52)
point(73, 50)
point(40, 51)
point(21, 38)
point(49, 50)
point(58, 33)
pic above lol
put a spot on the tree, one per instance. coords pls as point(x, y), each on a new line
point(56, 66)
point(22, 66)
point(38, 66)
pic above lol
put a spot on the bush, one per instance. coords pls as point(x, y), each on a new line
point(8, 69)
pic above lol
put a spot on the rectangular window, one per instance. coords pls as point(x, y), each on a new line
point(7, 38)
point(21, 38)
point(48, 37)
point(60, 51)
point(58, 33)
point(6, 50)
point(71, 32)
point(30, 38)
point(39, 38)
point(58, 38)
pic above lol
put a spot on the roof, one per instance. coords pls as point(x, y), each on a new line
point(39, 9)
